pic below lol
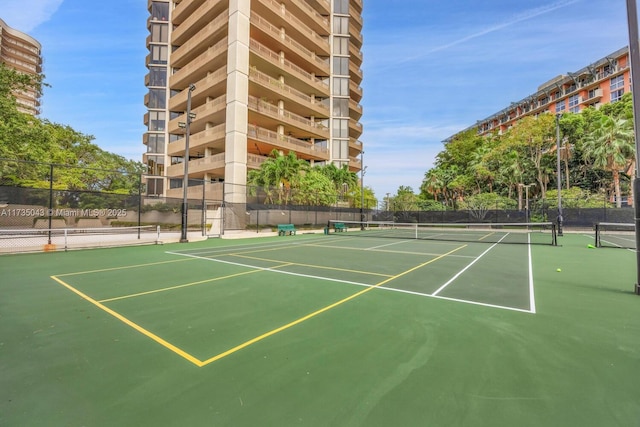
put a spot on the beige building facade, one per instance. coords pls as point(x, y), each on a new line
point(22, 53)
point(256, 75)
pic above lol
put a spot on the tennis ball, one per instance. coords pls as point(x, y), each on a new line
point(559, 270)
point(590, 246)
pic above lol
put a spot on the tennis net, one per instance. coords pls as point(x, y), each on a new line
point(616, 235)
point(51, 239)
point(523, 233)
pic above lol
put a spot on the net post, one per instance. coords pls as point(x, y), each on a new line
point(554, 235)
point(597, 235)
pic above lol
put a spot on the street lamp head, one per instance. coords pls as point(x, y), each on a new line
point(192, 87)
point(182, 125)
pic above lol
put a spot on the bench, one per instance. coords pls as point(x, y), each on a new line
point(284, 229)
point(339, 227)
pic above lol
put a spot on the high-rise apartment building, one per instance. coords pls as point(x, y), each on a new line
point(602, 82)
point(22, 53)
point(259, 75)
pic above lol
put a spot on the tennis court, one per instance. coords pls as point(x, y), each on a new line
point(321, 330)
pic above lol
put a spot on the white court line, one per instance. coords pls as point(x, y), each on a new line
point(353, 283)
point(441, 288)
point(383, 246)
point(532, 297)
point(270, 269)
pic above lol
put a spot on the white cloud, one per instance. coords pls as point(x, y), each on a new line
point(25, 15)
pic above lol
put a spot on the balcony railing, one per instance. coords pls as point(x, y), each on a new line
point(288, 117)
point(277, 60)
point(288, 91)
point(287, 142)
point(275, 32)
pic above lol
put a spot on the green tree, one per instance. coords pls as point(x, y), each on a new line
point(611, 145)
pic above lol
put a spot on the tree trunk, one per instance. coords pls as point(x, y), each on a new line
point(616, 188)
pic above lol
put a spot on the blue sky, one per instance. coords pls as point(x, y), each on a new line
point(431, 68)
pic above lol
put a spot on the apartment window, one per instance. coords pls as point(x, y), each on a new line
point(340, 149)
point(340, 66)
point(560, 106)
point(574, 102)
point(157, 98)
point(340, 86)
point(341, 25)
point(617, 82)
point(159, 54)
point(341, 45)
point(155, 165)
point(157, 120)
point(341, 7)
point(159, 33)
point(158, 76)
point(340, 107)
point(155, 186)
point(593, 93)
point(616, 95)
point(160, 11)
point(155, 143)
point(341, 128)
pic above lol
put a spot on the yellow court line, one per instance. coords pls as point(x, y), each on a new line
point(135, 326)
point(322, 310)
point(487, 235)
point(315, 266)
point(171, 288)
point(124, 267)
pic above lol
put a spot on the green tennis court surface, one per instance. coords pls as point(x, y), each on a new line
point(321, 330)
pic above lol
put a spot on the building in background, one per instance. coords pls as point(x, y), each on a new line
point(603, 82)
point(264, 74)
point(22, 53)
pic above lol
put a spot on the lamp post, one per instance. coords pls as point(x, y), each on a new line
point(559, 176)
point(634, 55)
point(185, 179)
point(363, 170)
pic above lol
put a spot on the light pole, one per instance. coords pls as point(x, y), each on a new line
point(634, 55)
point(185, 179)
point(559, 176)
point(363, 170)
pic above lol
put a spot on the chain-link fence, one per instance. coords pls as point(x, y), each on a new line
point(45, 196)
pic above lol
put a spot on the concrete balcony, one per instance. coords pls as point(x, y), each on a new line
point(199, 42)
point(266, 140)
point(313, 83)
point(211, 112)
point(193, 19)
point(198, 167)
point(279, 15)
point(310, 16)
point(210, 60)
point(355, 129)
point(214, 83)
point(302, 124)
point(274, 88)
point(212, 138)
point(595, 96)
point(316, 64)
point(355, 110)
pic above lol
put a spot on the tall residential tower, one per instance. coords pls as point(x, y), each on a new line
point(260, 75)
point(22, 53)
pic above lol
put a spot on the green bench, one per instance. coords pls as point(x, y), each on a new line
point(339, 227)
point(284, 229)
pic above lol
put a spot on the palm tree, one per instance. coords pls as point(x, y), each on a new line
point(279, 172)
point(611, 145)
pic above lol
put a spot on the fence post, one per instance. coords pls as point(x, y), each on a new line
point(50, 201)
point(139, 205)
